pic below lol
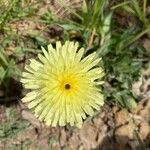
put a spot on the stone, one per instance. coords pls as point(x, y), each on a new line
point(31, 118)
point(115, 109)
point(88, 134)
point(63, 137)
point(144, 130)
point(124, 133)
point(56, 146)
point(145, 114)
point(121, 117)
point(92, 135)
point(74, 141)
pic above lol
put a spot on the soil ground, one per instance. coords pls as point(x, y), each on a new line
point(113, 128)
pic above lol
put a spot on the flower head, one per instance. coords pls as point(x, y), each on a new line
point(64, 85)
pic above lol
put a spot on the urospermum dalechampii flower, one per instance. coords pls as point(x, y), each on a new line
point(65, 86)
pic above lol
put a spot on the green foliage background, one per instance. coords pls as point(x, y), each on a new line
point(123, 55)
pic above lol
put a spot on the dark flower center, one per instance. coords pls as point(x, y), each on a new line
point(67, 86)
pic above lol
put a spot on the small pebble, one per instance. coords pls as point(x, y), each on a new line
point(144, 130)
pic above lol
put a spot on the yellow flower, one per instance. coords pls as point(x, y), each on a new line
point(64, 86)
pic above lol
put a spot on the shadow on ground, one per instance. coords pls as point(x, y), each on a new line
point(111, 143)
point(10, 92)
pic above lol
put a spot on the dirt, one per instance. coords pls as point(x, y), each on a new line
point(107, 130)
point(113, 128)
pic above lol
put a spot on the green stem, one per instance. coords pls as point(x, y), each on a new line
point(144, 7)
point(120, 5)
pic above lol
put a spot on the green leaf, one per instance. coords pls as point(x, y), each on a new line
point(120, 5)
point(3, 58)
point(2, 74)
point(84, 7)
point(106, 24)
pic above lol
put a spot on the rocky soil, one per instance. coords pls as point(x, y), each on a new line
point(113, 128)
